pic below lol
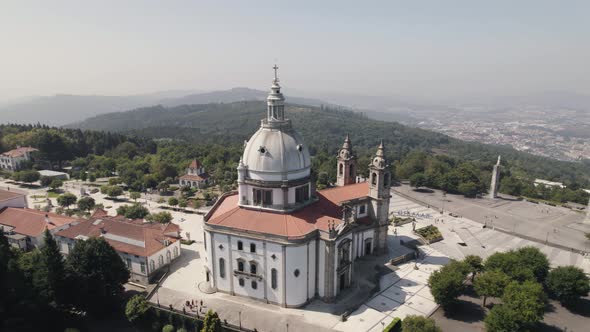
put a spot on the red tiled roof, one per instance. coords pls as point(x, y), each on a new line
point(19, 152)
point(197, 178)
point(227, 213)
point(151, 234)
point(32, 222)
point(194, 164)
point(99, 213)
point(6, 195)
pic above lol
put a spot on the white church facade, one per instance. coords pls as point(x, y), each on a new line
point(277, 239)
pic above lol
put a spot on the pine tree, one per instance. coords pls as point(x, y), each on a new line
point(212, 323)
point(50, 276)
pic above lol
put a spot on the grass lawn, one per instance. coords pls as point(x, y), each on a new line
point(52, 194)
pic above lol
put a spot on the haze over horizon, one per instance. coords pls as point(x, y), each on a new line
point(426, 50)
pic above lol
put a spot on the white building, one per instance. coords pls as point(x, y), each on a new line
point(278, 240)
point(547, 183)
point(195, 175)
point(146, 248)
point(12, 160)
point(54, 174)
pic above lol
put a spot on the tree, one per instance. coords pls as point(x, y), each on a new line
point(134, 195)
point(66, 200)
point(172, 201)
point(510, 263)
point(86, 203)
point(534, 259)
point(97, 274)
point(133, 211)
point(51, 271)
point(526, 301)
point(182, 203)
point(45, 181)
point(136, 308)
point(168, 328)
point(446, 284)
point(475, 265)
point(211, 323)
point(111, 191)
point(491, 283)
point(413, 323)
point(568, 284)
point(161, 217)
point(418, 180)
point(55, 183)
point(501, 319)
point(92, 177)
point(26, 176)
point(588, 236)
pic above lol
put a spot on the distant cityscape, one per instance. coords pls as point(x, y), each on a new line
point(560, 134)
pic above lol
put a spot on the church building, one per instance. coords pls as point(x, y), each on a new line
point(277, 239)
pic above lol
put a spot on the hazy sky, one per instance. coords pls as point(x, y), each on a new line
point(417, 48)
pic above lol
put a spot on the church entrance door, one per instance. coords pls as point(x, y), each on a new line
point(342, 281)
point(367, 247)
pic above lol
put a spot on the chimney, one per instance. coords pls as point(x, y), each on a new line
point(102, 231)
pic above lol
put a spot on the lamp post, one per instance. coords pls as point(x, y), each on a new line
point(240, 319)
point(287, 327)
point(383, 325)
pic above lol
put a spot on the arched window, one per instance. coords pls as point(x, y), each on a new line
point(222, 267)
point(168, 257)
point(240, 245)
point(374, 178)
point(240, 265)
point(340, 169)
point(175, 252)
point(160, 260)
point(344, 252)
point(152, 265)
point(273, 278)
point(253, 268)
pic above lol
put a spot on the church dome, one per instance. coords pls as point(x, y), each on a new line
point(277, 152)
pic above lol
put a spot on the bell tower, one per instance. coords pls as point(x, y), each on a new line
point(346, 172)
point(379, 186)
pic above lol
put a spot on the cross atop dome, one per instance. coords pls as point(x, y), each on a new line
point(275, 67)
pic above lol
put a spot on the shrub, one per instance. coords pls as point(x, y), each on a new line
point(168, 328)
point(394, 326)
point(136, 308)
point(429, 233)
point(568, 284)
point(414, 323)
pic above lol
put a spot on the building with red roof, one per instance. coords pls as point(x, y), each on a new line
point(24, 227)
point(145, 247)
point(12, 160)
point(280, 241)
point(195, 176)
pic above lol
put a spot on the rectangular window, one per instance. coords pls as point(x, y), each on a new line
point(262, 197)
point(252, 247)
point(362, 209)
point(142, 267)
point(128, 263)
point(302, 194)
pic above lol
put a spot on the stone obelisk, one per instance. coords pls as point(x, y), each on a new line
point(495, 180)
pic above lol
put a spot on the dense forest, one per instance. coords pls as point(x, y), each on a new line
point(154, 145)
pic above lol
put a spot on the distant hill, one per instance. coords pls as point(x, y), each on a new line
point(323, 129)
point(61, 109)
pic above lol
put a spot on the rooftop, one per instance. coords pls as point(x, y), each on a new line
point(192, 177)
point(19, 152)
point(227, 213)
point(32, 222)
point(128, 236)
point(6, 195)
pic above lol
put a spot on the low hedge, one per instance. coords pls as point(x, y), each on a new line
point(394, 326)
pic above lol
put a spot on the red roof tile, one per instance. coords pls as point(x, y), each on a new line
point(19, 152)
point(6, 195)
point(194, 164)
point(32, 222)
point(197, 178)
point(227, 213)
point(152, 235)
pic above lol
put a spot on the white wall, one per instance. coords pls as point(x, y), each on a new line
point(223, 284)
point(274, 295)
point(247, 256)
point(296, 260)
point(322, 267)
